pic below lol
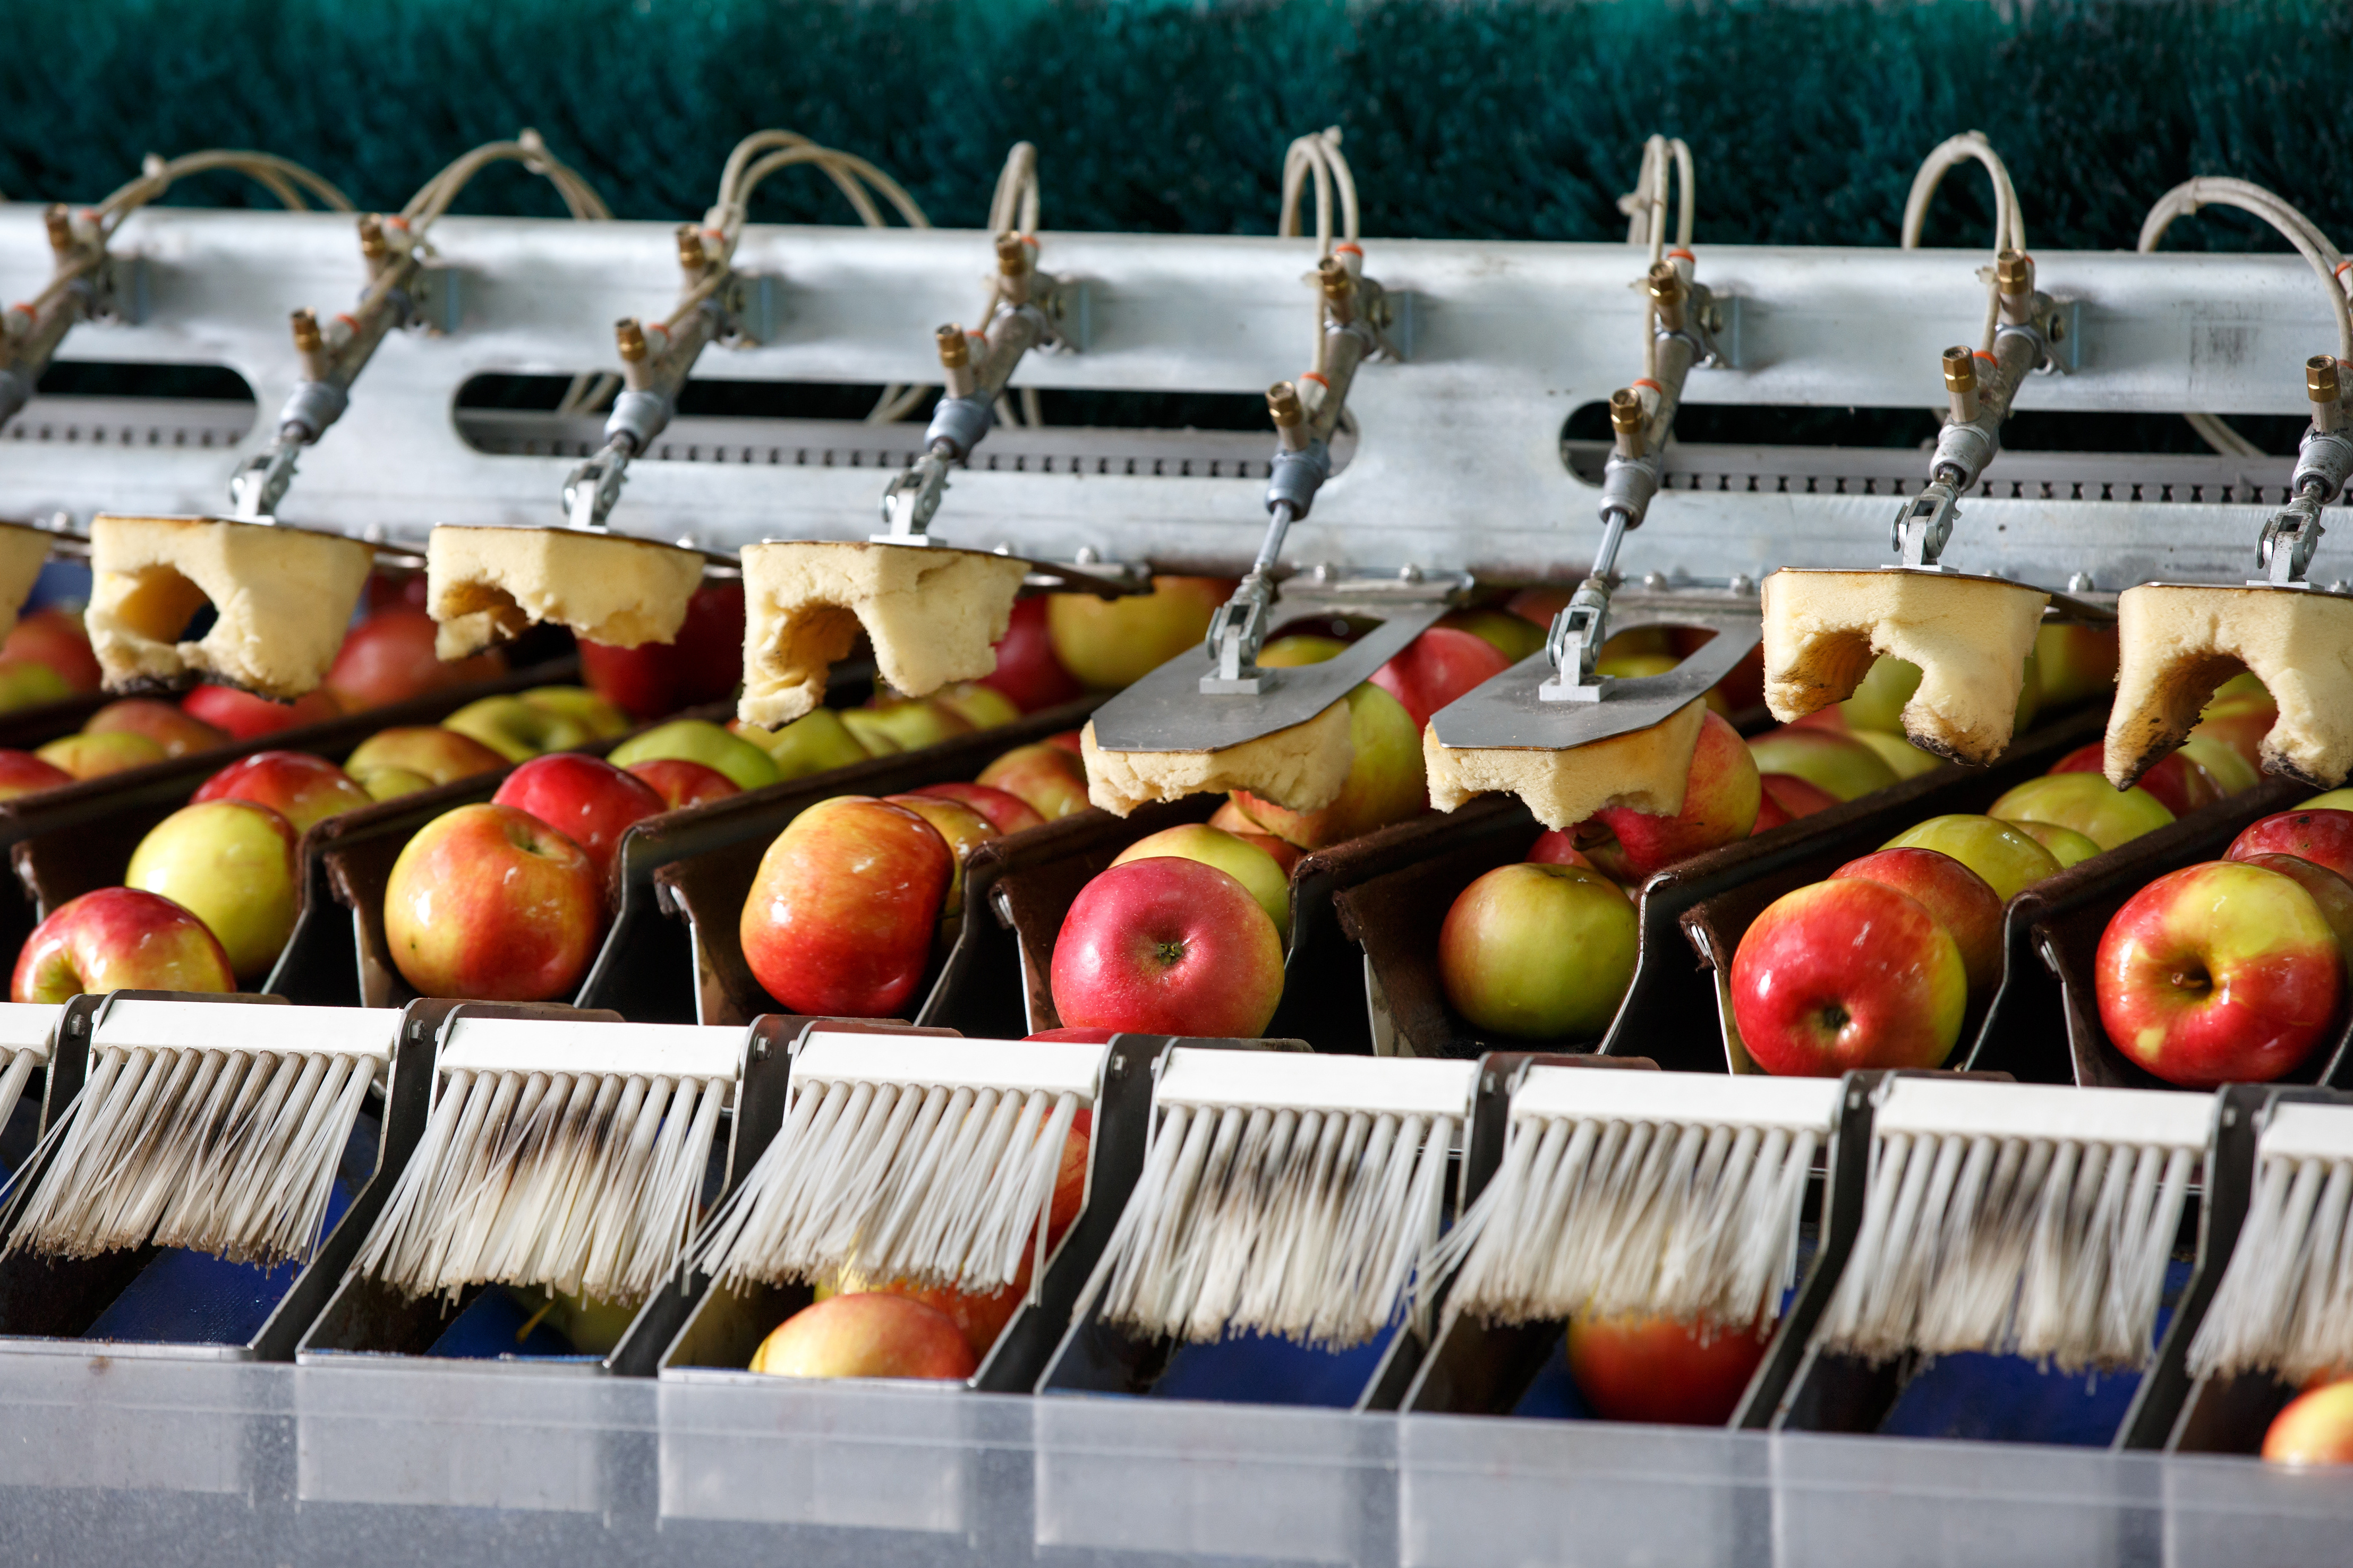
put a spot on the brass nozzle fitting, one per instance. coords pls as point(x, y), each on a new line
point(2014, 272)
point(1012, 255)
point(2320, 380)
point(630, 338)
point(1332, 273)
point(372, 245)
point(1961, 383)
point(1282, 403)
point(690, 254)
point(1626, 417)
point(60, 224)
point(955, 348)
point(307, 338)
point(1666, 288)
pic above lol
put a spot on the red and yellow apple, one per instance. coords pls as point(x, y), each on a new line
point(119, 938)
point(2332, 893)
point(89, 756)
point(1167, 946)
point(2317, 1428)
point(1046, 778)
point(1666, 1373)
point(702, 664)
point(1796, 797)
point(2067, 847)
point(21, 773)
point(2007, 858)
point(245, 717)
point(586, 799)
point(874, 1334)
point(1027, 670)
point(516, 729)
point(979, 705)
point(1960, 900)
point(230, 863)
point(1846, 974)
point(1908, 760)
point(1245, 862)
point(2075, 662)
point(388, 657)
point(28, 683)
point(818, 742)
point(966, 830)
point(1438, 667)
point(442, 756)
point(842, 911)
point(1385, 783)
point(1836, 762)
point(682, 784)
point(1721, 795)
point(297, 786)
point(904, 724)
point(1116, 642)
point(2323, 837)
point(2233, 772)
point(490, 903)
point(1006, 812)
point(2180, 782)
point(53, 636)
point(170, 727)
point(1557, 847)
point(701, 740)
point(2087, 803)
point(1514, 636)
point(1539, 949)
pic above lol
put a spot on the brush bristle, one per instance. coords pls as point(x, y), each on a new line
point(582, 1184)
point(2285, 1303)
point(2051, 1250)
point(938, 1185)
point(230, 1153)
point(1606, 1218)
point(1307, 1224)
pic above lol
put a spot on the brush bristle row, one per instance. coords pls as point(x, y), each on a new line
point(2285, 1303)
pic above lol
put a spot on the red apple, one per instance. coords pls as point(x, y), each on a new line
point(119, 938)
point(1557, 847)
point(2324, 837)
point(702, 664)
point(586, 799)
point(1540, 604)
point(1962, 902)
point(1006, 812)
point(444, 756)
point(1069, 741)
point(1537, 949)
point(1231, 818)
point(1049, 780)
point(684, 783)
point(1113, 642)
point(21, 773)
point(841, 913)
point(1167, 946)
point(1438, 667)
point(2240, 722)
point(230, 863)
point(1667, 1374)
point(1846, 975)
point(297, 786)
point(1027, 670)
point(2331, 892)
point(872, 1333)
point(177, 731)
point(246, 717)
point(388, 657)
point(1244, 861)
point(1796, 797)
point(2220, 972)
point(490, 903)
point(1075, 1036)
point(53, 636)
point(1514, 637)
point(1720, 799)
point(2317, 1428)
point(1770, 814)
point(2178, 781)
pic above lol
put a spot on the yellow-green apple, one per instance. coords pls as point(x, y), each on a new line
point(1720, 799)
point(297, 786)
point(1878, 702)
point(95, 756)
point(966, 830)
point(2228, 768)
point(1295, 649)
point(1006, 812)
point(1836, 763)
point(2067, 847)
point(2087, 803)
point(21, 773)
point(53, 636)
point(2331, 892)
point(230, 863)
point(1846, 974)
point(1514, 636)
point(167, 724)
point(439, 755)
point(981, 706)
point(2075, 663)
point(491, 904)
point(1536, 949)
point(873, 1334)
point(1167, 946)
point(1962, 902)
point(842, 910)
point(2242, 687)
point(26, 682)
point(1664, 1372)
point(1908, 760)
point(2220, 973)
point(516, 729)
point(1115, 642)
point(815, 742)
point(2324, 837)
point(1027, 670)
point(2180, 783)
point(600, 718)
point(119, 938)
point(1438, 667)
point(388, 657)
point(682, 784)
point(1050, 781)
point(1557, 847)
point(2008, 859)
point(1385, 783)
point(701, 740)
point(1797, 797)
point(2238, 717)
point(1635, 665)
point(1231, 818)
point(586, 799)
point(2332, 800)
point(702, 664)
point(2315, 1429)
point(906, 723)
point(1245, 862)
point(245, 717)
point(391, 783)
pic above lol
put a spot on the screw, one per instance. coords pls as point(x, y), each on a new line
point(1656, 582)
point(2079, 582)
point(1408, 572)
point(1088, 556)
point(1742, 582)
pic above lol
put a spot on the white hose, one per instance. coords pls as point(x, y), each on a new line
point(2008, 224)
point(1645, 207)
point(1318, 157)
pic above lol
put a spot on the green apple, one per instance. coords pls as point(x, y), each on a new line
point(1908, 760)
point(2246, 683)
point(389, 783)
point(516, 729)
point(813, 743)
point(230, 863)
point(1385, 783)
point(1836, 763)
point(2075, 662)
point(1245, 862)
point(699, 741)
point(25, 681)
point(601, 718)
point(2088, 804)
point(2006, 858)
point(88, 756)
point(2335, 800)
point(909, 724)
point(1536, 950)
point(2067, 847)
point(1878, 702)
point(2232, 772)
point(1299, 648)
point(982, 707)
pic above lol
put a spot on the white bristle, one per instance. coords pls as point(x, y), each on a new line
point(2016, 1236)
point(2285, 1302)
point(12, 1078)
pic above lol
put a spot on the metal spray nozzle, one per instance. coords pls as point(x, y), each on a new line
point(1666, 287)
point(61, 224)
point(629, 337)
point(955, 348)
point(373, 244)
point(1626, 417)
point(2013, 273)
point(2325, 387)
point(307, 337)
point(1961, 383)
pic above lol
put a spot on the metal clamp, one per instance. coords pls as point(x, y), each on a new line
point(1923, 525)
point(1236, 634)
point(914, 499)
point(1574, 642)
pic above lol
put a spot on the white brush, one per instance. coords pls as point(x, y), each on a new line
point(2285, 1302)
point(1283, 1193)
point(567, 1154)
point(2017, 1218)
point(28, 1044)
point(213, 1126)
point(1642, 1194)
point(907, 1157)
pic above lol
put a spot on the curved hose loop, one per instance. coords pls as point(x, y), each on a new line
point(1645, 207)
point(2008, 223)
point(1014, 204)
point(433, 200)
point(1318, 156)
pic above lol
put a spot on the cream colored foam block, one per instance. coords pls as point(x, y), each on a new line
point(283, 598)
point(1646, 771)
point(1302, 768)
point(23, 552)
point(2176, 643)
point(932, 614)
point(1969, 636)
point(484, 585)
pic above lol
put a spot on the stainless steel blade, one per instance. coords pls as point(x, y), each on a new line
point(1506, 713)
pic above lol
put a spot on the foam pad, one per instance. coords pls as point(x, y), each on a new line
point(485, 585)
point(1646, 770)
point(2176, 643)
point(1302, 768)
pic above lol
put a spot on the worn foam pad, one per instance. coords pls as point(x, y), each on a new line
point(2176, 643)
point(484, 585)
point(1302, 768)
point(1646, 770)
